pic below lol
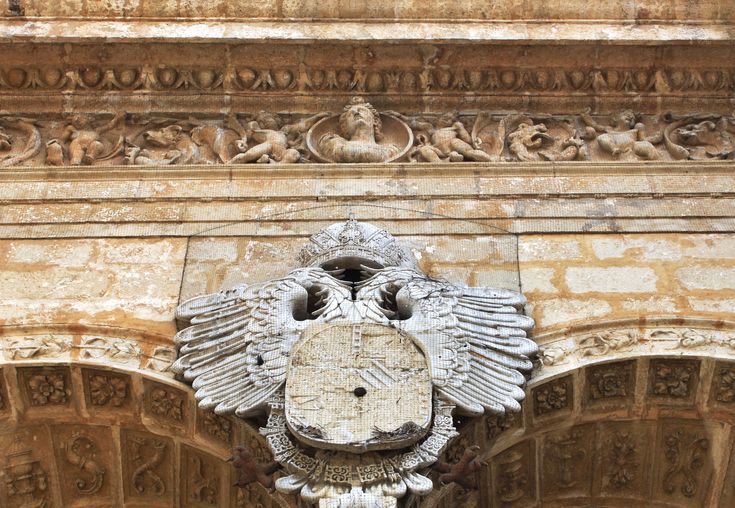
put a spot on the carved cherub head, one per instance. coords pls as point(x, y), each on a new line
point(360, 115)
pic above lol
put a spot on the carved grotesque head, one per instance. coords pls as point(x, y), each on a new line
point(360, 115)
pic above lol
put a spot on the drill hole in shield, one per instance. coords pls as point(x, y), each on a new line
point(360, 391)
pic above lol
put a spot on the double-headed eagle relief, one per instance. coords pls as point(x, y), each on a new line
point(360, 361)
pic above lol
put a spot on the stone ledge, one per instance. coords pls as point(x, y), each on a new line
point(297, 31)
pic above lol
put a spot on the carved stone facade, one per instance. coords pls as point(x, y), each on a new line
point(579, 152)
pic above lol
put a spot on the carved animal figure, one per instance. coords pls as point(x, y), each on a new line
point(697, 134)
point(246, 350)
point(250, 470)
point(461, 472)
point(180, 145)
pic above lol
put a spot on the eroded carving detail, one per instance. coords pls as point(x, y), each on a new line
point(26, 481)
point(673, 378)
point(202, 481)
point(600, 344)
point(512, 477)
point(119, 350)
point(36, 346)
point(82, 142)
point(217, 426)
point(609, 381)
point(566, 450)
point(497, 424)
point(725, 384)
point(166, 403)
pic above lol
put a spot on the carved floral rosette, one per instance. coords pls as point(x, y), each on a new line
point(333, 473)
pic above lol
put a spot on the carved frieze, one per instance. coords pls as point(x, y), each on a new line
point(362, 134)
point(438, 79)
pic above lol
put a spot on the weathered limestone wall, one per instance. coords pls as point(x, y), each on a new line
point(569, 279)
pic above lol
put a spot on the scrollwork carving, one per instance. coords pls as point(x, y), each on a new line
point(81, 452)
point(147, 455)
point(685, 452)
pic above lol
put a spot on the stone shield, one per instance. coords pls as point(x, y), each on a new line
point(357, 387)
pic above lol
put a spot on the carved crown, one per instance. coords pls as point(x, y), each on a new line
point(354, 240)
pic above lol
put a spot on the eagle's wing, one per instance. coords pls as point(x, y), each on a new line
point(235, 351)
point(474, 338)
